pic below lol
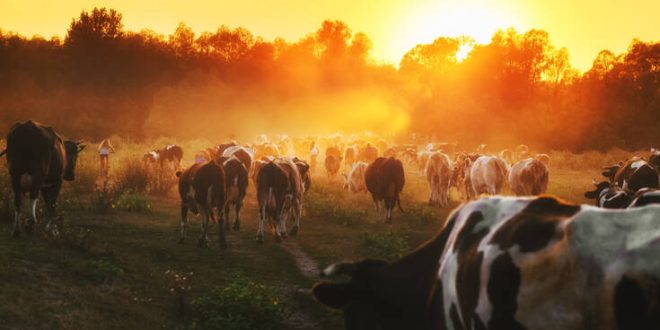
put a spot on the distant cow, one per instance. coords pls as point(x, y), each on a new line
point(241, 153)
point(512, 263)
point(236, 183)
point(294, 195)
point(528, 177)
point(368, 153)
point(354, 180)
point(350, 156)
point(507, 156)
point(438, 175)
point(305, 175)
point(633, 174)
point(385, 179)
point(522, 152)
point(171, 153)
point(332, 165)
point(654, 158)
point(544, 158)
point(333, 151)
point(645, 196)
point(609, 196)
point(151, 157)
point(38, 160)
point(202, 189)
point(488, 175)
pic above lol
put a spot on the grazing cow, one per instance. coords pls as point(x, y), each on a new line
point(273, 186)
point(241, 153)
point(332, 165)
point(488, 175)
point(633, 174)
point(171, 153)
point(609, 196)
point(350, 156)
point(438, 174)
point(645, 196)
point(202, 188)
point(385, 178)
point(368, 153)
point(38, 159)
point(507, 156)
point(305, 175)
point(513, 263)
point(236, 183)
point(654, 158)
point(544, 158)
point(528, 177)
point(354, 180)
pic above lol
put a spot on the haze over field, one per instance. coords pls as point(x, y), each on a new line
point(474, 72)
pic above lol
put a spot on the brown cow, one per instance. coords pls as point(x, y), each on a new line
point(385, 180)
point(272, 189)
point(202, 189)
point(332, 165)
point(236, 183)
point(350, 156)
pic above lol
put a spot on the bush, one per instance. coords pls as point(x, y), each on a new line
point(132, 202)
point(133, 175)
point(161, 180)
point(103, 198)
point(240, 305)
point(387, 246)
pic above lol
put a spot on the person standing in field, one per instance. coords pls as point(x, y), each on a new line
point(313, 155)
point(104, 151)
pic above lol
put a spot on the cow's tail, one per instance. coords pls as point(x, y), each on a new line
point(398, 202)
point(2, 153)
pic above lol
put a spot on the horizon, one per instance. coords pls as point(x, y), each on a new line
point(411, 24)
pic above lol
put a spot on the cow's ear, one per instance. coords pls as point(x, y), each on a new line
point(334, 295)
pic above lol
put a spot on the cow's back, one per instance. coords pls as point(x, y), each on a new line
point(30, 144)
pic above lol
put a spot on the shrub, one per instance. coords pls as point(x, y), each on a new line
point(103, 198)
point(240, 305)
point(161, 180)
point(132, 175)
point(132, 202)
point(388, 246)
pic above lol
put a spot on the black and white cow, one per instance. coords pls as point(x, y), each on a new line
point(39, 159)
point(609, 196)
point(633, 174)
point(513, 263)
point(202, 189)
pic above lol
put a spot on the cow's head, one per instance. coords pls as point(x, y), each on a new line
point(610, 171)
point(72, 149)
point(600, 186)
point(358, 298)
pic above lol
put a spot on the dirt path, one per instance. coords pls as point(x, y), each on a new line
point(306, 265)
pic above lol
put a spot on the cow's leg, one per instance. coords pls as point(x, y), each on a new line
point(278, 221)
point(16, 186)
point(226, 215)
point(237, 223)
point(297, 207)
point(203, 237)
point(221, 228)
point(262, 219)
point(284, 217)
point(50, 195)
point(184, 222)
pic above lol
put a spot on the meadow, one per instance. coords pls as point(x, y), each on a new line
point(118, 263)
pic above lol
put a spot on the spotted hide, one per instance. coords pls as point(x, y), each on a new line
point(438, 175)
point(236, 183)
point(513, 263)
point(202, 189)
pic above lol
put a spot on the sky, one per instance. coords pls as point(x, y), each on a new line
point(584, 27)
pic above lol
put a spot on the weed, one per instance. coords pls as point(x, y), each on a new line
point(240, 305)
point(387, 246)
point(132, 202)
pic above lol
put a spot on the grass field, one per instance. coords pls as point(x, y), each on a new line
point(114, 266)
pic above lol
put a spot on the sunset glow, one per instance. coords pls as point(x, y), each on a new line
point(394, 26)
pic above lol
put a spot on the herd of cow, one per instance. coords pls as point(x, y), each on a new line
point(498, 262)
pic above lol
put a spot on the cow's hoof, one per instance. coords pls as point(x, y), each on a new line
point(294, 230)
point(260, 239)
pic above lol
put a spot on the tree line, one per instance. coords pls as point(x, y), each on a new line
point(102, 80)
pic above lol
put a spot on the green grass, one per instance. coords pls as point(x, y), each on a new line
point(108, 271)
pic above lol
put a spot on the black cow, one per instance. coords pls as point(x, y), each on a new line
point(645, 196)
point(236, 183)
point(171, 153)
point(632, 175)
point(39, 159)
point(202, 189)
point(609, 196)
point(385, 178)
point(513, 263)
